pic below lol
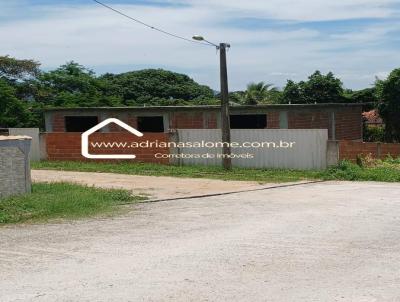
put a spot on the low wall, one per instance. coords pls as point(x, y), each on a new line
point(15, 176)
point(351, 149)
point(308, 151)
point(34, 153)
point(67, 146)
point(312, 150)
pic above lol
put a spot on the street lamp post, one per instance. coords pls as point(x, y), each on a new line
point(225, 121)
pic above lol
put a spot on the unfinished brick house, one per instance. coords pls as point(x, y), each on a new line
point(63, 126)
point(343, 121)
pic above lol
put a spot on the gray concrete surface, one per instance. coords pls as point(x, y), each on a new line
point(33, 133)
point(335, 241)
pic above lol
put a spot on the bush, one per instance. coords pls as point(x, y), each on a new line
point(374, 134)
point(377, 170)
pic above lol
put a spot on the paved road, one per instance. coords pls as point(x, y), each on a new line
point(315, 242)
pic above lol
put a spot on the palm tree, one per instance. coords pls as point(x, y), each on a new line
point(261, 92)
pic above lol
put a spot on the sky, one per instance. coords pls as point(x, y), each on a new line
point(271, 40)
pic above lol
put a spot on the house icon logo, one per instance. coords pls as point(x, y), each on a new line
point(85, 140)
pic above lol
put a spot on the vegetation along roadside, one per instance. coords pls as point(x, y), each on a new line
point(63, 201)
point(365, 169)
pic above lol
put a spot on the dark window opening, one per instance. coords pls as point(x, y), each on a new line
point(151, 124)
point(4, 131)
point(248, 121)
point(80, 123)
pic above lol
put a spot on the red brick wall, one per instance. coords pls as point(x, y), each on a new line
point(273, 120)
point(67, 146)
point(348, 121)
point(127, 118)
point(349, 124)
point(58, 122)
point(392, 149)
point(350, 149)
point(187, 120)
point(210, 120)
point(308, 120)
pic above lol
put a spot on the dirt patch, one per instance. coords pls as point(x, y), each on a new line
point(156, 187)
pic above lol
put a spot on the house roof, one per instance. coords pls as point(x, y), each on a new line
point(211, 107)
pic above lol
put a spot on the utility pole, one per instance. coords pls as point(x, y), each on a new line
point(225, 123)
point(225, 120)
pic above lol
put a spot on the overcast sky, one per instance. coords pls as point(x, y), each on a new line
point(272, 40)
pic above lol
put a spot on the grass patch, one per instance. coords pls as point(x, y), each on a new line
point(62, 200)
point(368, 168)
point(212, 172)
point(387, 170)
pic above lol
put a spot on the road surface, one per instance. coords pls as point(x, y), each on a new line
point(332, 241)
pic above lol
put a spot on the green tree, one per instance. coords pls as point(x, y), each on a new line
point(292, 93)
point(14, 69)
point(19, 74)
point(258, 93)
point(318, 88)
point(388, 92)
point(235, 97)
point(322, 88)
point(367, 95)
point(143, 86)
point(73, 85)
point(13, 112)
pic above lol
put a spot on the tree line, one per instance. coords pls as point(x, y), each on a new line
point(25, 90)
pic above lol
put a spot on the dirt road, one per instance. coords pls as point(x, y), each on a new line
point(316, 242)
point(154, 187)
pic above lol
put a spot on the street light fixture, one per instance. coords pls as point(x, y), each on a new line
point(225, 121)
point(201, 38)
point(198, 38)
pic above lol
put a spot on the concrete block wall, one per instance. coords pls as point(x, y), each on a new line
point(14, 166)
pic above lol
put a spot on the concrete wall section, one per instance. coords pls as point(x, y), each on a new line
point(14, 166)
point(34, 153)
point(332, 153)
point(308, 151)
